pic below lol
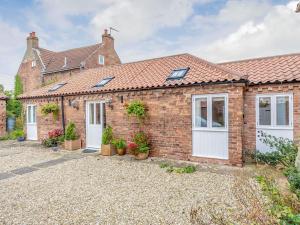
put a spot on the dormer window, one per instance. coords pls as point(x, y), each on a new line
point(65, 62)
point(33, 63)
point(178, 74)
point(104, 81)
point(57, 86)
point(101, 60)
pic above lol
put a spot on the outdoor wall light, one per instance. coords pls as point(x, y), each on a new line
point(109, 103)
point(75, 104)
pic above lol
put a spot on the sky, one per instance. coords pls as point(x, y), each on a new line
point(216, 30)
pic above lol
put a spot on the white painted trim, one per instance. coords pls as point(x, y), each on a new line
point(209, 112)
point(273, 97)
point(27, 107)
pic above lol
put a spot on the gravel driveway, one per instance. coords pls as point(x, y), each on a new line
point(44, 187)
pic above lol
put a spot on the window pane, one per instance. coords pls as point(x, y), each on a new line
point(98, 113)
point(265, 111)
point(33, 114)
point(218, 112)
point(282, 106)
point(29, 115)
point(201, 112)
point(92, 114)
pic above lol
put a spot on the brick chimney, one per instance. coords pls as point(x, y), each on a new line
point(107, 39)
point(32, 41)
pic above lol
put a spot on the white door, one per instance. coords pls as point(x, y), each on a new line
point(31, 123)
point(274, 116)
point(94, 124)
point(210, 126)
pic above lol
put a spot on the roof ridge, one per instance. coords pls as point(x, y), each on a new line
point(260, 58)
point(72, 49)
point(233, 72)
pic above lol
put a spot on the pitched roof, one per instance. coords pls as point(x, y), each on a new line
point(281, 68)
point(3, 96)
point(152, 73)
point(54, 61)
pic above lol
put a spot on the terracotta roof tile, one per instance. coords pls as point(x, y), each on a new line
point(140, 75)
point(280, 68)
point(54, 61)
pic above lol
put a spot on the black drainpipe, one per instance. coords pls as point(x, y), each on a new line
point(63, 114)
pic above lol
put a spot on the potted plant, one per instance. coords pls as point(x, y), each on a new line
point(51, 108)
point(142, 145)
point(107, 148)
point(72, 141)
point(18, 134)
point(120, 145)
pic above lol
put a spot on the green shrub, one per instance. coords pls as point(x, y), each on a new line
point(107, 136)
point(137, 109)
point(49, 142)
point(141, 138)
point(71, 133)
point(51, 108)
point(164, 165)
point(16, 134)
point(119, 143)
point(285, 151)
point(143, 148)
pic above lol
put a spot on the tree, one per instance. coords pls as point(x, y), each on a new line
point(18, 86)
point(1, 88)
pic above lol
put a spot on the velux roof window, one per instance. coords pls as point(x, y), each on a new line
point(104, 81)
point(178, 74)
point(57, 86)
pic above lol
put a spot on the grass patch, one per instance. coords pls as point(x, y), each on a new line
point(180, 170)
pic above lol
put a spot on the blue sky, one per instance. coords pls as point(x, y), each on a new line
point(216, 30)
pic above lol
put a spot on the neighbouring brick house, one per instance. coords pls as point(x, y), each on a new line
point(3, 99)
point(40, 66)
point(198, 110)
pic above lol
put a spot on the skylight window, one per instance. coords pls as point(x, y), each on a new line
point(57, 86)
point(178, 74)
point(104, 81)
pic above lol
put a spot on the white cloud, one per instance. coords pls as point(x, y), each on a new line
point(12, 45)
point(277, 33)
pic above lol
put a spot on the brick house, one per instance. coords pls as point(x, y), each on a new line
point(198, 111)
point(3, 99)
point(40, 66)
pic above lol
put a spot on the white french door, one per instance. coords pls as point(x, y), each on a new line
point(210, 126)
point(31, 123)
point(94, 124)
point(274, 116)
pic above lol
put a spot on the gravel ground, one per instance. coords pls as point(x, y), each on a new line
point(107, 190)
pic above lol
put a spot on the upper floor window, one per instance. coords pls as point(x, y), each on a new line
point(101, 59)
point(33, 63)
point(57, 86)
point(274, 110)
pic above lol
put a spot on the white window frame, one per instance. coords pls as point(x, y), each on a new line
point(274, 111)
point(33, 63)
point(209, 98)
point(100, 58)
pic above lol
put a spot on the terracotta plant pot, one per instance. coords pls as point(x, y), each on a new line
point(142, 156)
point(108, 150)
point(72, 144)
point(121, 151)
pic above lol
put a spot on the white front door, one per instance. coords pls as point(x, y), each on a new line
point(210, 126)
point(274, 116)
point(94, 124)
point(31, 123)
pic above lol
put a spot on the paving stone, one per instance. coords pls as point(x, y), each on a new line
point(23, 170)
point(50, 163)
point(4, 176)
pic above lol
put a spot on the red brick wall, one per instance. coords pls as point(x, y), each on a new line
point(169, 123)
point(30, 76)
point(2, 117)
point(249, 140)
